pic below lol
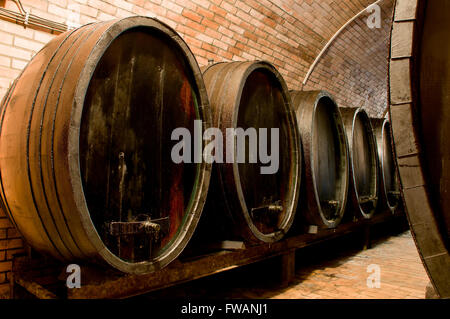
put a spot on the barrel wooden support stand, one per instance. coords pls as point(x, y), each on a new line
point(98, 283)
point(366, 237)
point(287, 268)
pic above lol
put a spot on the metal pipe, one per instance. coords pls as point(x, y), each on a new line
point(32, 20)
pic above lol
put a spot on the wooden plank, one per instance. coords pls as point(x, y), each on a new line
point(401, 40)
point(405, 10)
point(99, 283)
point(367, 244)
point(186, 270)
point(400, 86)
point(403, 130)
point(411, 172)
point(287, 268)
point(34, 288)
point(230, 245)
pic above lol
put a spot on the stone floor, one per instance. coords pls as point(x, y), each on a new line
point(401, 274)
point(337, 269)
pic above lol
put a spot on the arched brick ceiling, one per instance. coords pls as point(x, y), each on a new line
point(355, 66)
point(288, 33)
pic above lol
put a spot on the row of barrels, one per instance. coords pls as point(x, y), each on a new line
point(86, 139)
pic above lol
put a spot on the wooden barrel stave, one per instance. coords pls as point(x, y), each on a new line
point(41, 159)
point(16, 123)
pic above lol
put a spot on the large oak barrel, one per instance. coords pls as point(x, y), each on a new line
point(390, 192)
point(251, 204)
point(326, 157)
point(420, 114)
point(85, 146)
point(364, 185)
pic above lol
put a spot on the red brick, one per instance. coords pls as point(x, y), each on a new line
point(137, 2)
point(5, 266)
point(203, 3)
point(57, 10)
point(154, 9)
point(210, 24)
point(192, 15)
point(172, 6)
point(11, 252)
point(10, 243)
point(197, 51)
point(102, 6)
point(3, 278)
point(221, 21)
point(122, 4)
point(202, 61)
point(225, 54)
point(195, 26)
point(27, 44)
point(187, 31)
point(38, 4)
point(209, 48)
point(6, 38)
point(4, 291)
point(12, 233)
point(228, 7)
point(43, 37)
point(89, 11)
point(102, 16)
point(191, 41)
point(15, 29)
point(212, 33)
point(218, 11)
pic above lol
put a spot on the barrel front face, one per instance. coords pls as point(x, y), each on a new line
point(419, 100)
point(261, 187)
point(389, 178)
point(103, 184)
point(142, 89)
point(326, 156)
point(364, 160)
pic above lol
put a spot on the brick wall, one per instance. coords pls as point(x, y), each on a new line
point(288, 33)
point(10, 243)
point(354, 68)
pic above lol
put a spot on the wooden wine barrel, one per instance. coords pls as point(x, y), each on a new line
point(364, 185)
point(85, 146)
point(261, 206)
point(420, 114)
point(390, 189)
point(326, 157)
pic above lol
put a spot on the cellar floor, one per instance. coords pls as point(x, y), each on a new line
point(336, 269)
point(401, 273)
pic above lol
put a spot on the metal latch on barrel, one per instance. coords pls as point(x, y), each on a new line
point(367, 199)
point(264, 210)
point(155, 228)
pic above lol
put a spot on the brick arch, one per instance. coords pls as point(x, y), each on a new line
point(355, 66)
